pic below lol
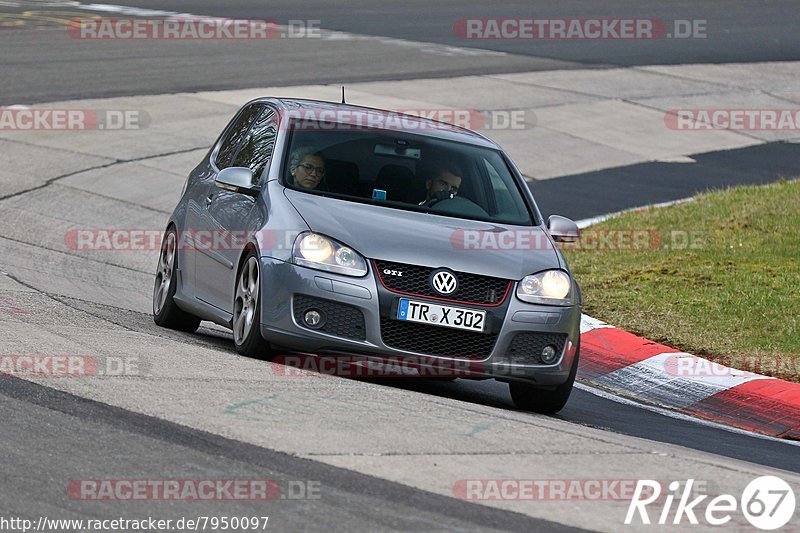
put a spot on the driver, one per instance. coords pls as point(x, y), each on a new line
point(444, 180)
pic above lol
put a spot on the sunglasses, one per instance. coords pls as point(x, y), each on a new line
point(309, 168)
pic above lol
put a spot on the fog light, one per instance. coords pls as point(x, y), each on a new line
point(549, 354)
point(313, 318)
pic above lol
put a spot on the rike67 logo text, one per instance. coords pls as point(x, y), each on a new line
point(767, 502)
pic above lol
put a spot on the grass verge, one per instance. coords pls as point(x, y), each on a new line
point(718, 277)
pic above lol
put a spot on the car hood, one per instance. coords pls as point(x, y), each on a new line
point(410, 237)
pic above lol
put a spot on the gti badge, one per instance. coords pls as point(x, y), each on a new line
point(443, 282)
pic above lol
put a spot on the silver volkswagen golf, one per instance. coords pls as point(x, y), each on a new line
point(337, 230)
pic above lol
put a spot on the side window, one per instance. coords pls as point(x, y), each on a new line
point(258, 146)
point(503, 197)
point(233, 137)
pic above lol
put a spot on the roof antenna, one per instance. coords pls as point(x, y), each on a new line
point(343, 95)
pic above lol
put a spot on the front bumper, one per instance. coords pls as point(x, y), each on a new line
point(282, 282)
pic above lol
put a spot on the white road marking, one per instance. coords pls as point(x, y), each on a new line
point(652, 381)
point(588, 324)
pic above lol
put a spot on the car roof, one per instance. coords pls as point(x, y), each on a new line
point(360, 115)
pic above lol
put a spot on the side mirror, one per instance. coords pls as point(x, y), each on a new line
point(563, 229)
point(236, 179)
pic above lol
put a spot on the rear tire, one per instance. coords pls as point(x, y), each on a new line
point(547, 402)
point(165, 312)
point(246, 321)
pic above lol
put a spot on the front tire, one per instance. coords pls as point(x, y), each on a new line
point(246, 322)
point(165, 312)
point(543, 401)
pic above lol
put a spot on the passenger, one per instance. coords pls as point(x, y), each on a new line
point(307, 167)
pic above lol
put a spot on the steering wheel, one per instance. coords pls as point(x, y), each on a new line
point(439, 196)
point(455, 205)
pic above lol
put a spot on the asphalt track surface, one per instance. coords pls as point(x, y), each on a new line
point(620, 188)
point(164, 450)
point(50, 435)
point(48, 65)
point(737, 31)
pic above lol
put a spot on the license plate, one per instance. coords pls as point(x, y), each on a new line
point(441, 315)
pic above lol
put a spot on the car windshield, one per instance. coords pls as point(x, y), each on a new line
point(403, 170)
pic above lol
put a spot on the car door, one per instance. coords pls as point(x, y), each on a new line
point(229, 217)
point(221, 157)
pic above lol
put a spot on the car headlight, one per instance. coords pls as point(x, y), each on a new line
point(317, 251)
point(551, 287)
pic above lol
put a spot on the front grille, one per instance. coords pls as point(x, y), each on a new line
point(340, 320)
point(526, 348)
point(472, 288)
point(436, 340)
